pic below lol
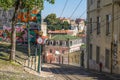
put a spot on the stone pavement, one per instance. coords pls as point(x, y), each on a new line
point(111, 76)
point(46, 73)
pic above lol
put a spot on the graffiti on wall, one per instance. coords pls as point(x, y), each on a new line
point(21, 34)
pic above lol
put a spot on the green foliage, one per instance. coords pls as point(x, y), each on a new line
point(29, 4)
point(65, 25)
point(51, 19)
point(55, 23)
point(6, 4)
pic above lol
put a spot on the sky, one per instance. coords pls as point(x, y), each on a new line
point(72, 7)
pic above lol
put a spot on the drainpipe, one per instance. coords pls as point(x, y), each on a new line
point(112, 42)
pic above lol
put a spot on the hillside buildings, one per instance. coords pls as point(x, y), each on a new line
point(58, 46)
point(103, 35)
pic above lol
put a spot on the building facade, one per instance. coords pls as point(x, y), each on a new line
point(103, 35)
point(59, 46)
point(44, 28)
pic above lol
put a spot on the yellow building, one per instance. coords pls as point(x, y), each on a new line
point(103, 29)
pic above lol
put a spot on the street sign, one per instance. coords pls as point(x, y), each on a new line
point(39, 40)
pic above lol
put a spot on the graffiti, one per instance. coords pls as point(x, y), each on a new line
point(21, 34)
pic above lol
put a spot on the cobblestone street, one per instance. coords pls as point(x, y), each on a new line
point(66, 72)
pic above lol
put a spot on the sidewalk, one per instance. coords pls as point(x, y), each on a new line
point(45, 72)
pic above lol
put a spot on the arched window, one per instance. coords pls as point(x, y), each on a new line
point(60, 43)
point(47, 42)
point(71, 43)
point(54, 42)
point(50, 50)
point(51, 42)
point(67, 43)
point(57, 42)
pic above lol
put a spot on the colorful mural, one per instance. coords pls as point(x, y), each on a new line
point(21, 34)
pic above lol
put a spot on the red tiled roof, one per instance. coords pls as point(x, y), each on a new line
point(44, 37)
point(81, 35)
point(61, 31)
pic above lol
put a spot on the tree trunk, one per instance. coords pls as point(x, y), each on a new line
point(13, 32)
point(13, 42)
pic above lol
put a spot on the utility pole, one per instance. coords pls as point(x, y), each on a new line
point(39, 45)
point(88, 36)
point(112, 42)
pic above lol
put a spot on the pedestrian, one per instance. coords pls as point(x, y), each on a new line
point(100, 66)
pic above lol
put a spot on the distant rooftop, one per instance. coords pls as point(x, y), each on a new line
point(64, 37)
point(61, 31)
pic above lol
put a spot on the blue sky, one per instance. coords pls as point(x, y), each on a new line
point(70, 7)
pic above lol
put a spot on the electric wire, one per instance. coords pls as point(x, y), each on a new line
point(64, 8)
point(82, 13)
point(76, 8)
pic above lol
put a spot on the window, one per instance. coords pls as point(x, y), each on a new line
point(98, 25)
point(50, 50)
point(108, 20)
point(60, 43)
point(70, 43)
point(47, 42)
point(54, 43)
point(107, 58)
point(91, 2)
point(90, 25)
point(97, 54)
point(98, 3)
point(51, 42)
point(90, 56)
point(57, 42)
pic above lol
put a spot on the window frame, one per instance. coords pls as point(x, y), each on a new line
point(50, 50)
point(108, 20)
point(107, 58)
point(91, 50)
point(97, 54)
point(98, 25)
point(91, 25)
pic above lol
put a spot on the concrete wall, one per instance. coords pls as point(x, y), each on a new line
point(102, 40)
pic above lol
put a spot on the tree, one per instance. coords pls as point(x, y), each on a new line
point(19, 5)
point(55, 23)
point(51, 19)
point(65, 25)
